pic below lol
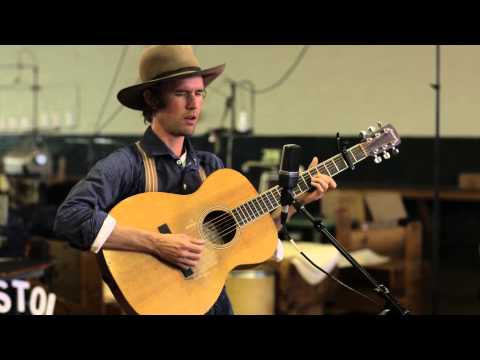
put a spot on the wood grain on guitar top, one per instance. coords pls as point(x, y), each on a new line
point(146, 285)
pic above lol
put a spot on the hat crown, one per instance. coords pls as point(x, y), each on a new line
point(160, 59)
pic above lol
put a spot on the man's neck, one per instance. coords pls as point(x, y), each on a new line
point(174, 143)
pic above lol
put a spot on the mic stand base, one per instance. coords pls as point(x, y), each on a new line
point(390, 303)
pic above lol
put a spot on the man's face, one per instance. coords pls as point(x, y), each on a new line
point(184, 100)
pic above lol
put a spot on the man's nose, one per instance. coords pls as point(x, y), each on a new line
point(192, 102)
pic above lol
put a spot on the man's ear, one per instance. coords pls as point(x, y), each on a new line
point(150, 99)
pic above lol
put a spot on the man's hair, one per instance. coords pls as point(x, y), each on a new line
point(158, 96)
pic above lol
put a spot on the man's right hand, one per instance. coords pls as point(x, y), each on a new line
point(179, 249)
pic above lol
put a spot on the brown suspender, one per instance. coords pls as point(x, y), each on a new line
point(151, 178)
point(202, 174)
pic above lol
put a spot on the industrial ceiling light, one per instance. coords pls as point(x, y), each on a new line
point(30, 159)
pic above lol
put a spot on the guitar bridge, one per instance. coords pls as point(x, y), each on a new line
point(164, 229)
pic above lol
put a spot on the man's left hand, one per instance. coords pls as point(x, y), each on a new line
point(321, 183)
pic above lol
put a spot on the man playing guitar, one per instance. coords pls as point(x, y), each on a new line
point(170, 95)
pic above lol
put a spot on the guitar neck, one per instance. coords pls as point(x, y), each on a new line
point(269, 200)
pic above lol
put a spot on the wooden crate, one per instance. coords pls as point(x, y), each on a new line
point(78, 283)
point(469, 181)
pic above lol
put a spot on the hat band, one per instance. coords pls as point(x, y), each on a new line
point(180, 71)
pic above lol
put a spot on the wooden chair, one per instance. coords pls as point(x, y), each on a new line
point(403, 273)
point(78, 283)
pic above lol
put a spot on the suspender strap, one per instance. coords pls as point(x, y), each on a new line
point(201, 172)
point(151, 178)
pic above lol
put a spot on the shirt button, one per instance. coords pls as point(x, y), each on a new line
point(179, 162)
point(184, 186)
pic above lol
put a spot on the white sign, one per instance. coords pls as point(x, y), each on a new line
point(39, 302)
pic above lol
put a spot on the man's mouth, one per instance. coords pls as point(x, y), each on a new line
point(190, 117)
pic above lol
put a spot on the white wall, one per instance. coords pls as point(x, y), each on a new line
point(342, 88)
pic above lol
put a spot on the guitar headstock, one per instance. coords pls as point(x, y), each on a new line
point(378, 142)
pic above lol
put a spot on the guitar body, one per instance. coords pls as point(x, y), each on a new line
point(143, 284)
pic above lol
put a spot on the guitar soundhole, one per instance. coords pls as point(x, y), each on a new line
point(219, 227)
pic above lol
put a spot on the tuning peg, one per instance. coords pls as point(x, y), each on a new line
point(371, 129)
point(386, 155)
point(379, 124)
point(395, 151)
point(377, 159)
point(363, 134)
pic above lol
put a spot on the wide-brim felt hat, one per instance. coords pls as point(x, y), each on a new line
point(159, 63)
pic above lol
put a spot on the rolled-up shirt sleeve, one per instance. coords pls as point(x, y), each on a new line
point(84, 212)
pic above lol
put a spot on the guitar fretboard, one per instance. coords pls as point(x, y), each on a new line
point(269, 200)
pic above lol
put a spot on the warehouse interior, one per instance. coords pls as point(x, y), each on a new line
point(394, 125)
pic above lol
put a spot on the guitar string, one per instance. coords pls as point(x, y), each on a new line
point(227, 231)
point(233, 228)
point(230, 218)
point(214, 237)
point(326, 164)
point(227, 217)
point(252, 214)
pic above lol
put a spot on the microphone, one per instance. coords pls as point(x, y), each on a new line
point(288, 176)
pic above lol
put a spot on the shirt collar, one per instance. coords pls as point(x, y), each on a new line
point(154, 146)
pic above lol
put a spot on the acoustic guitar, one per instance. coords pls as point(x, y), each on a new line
point(232, 218)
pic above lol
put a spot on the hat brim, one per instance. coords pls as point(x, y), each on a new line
point(132, 96)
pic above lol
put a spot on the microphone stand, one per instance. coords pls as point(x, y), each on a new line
point(232, 104)
point(390, 303)
point(436, 184)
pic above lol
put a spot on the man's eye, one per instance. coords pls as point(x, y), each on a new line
point(180, 93)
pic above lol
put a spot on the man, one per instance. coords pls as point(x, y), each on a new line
point(170, 96)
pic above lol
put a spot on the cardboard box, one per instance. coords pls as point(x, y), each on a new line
point(352, 201)
point(385, 207)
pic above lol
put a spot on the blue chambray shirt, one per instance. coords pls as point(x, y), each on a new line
point(121, 175)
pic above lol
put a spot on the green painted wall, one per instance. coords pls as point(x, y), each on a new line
point(342, 88)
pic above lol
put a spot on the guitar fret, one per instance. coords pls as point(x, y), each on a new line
point(262, 210)
point(304, 187)
point(364, 154)
point(252, 208)
point(308, 177)
point(306, 184)
point(257, 213)
point(352, 159)
point(245, 213)
point(271, 199)
point(326, 170)
point(335, 164)
point(276, 197)
point(268, 198)
point(353, 155)
point(250, 211)
point(331, 170)
point(236, 216)
point(343, 163)
point(278, 194)
point(240, 215)
point(266, 205)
